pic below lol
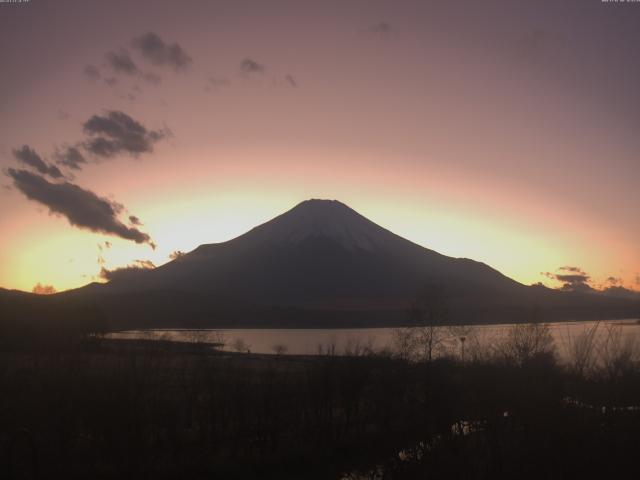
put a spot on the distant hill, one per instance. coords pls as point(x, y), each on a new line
point(323, 264)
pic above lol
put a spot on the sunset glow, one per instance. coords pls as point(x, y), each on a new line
point(505, 146)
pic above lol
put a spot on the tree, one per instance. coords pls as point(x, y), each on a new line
point(526, 342)
point(239, 345)
point(428, 314)
point(279, 349)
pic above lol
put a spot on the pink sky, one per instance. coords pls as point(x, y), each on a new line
point(504, 131)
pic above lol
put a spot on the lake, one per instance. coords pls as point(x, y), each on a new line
point(354, 340)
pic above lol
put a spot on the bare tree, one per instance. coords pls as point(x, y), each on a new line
point(428, 314)
point(618, 353)
point(279, 348)
point(582, 355)
point(239, 345)
point(527, 341)
point(219, 340)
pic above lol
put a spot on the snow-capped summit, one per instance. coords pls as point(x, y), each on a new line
point(324, 219)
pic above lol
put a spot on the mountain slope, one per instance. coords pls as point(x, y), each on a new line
point(322, 263)
point(320, 251)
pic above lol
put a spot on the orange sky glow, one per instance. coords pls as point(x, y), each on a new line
point(471, 140)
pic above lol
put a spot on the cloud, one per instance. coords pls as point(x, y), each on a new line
point(134, 220)
point(28, 156)
point(130, 271)
point(70, 157)
point(82, 208)
point(576, 280)
point(159, 53)
point(571, 269)
point(176, 254)
point(291, 81)
point(145, 264)
point(116, 132)
point(43, 289)
point(613, 281)
point(121, 62)
point(637, 279)
point(250, 67)
point(92, 72)
point(381, 29)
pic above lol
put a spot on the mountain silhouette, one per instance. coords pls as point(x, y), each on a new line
point(320, 251)
point(323, 264)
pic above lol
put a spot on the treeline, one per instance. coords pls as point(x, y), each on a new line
point(511, 412)
point(47, 322)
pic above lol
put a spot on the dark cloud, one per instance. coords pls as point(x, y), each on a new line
point(291, 81)
point(575, 280)
point(571, 269)
point(134, 220)
point(92, 72)
point(122, 62)
point(82, 208)
point(43, 289)
point(130, 271)
point(116, 132)
point(613, 281)
point(70, 157)
point(111, 81)
point(28, 156)
point(250, 67)
point(156, 51)
point(381, 29)
point(176, 254)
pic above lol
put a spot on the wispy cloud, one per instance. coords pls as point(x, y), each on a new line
point(71, 157)
point(573, 279)
point(159, 53)
point(130, 271)
point(82, 208)
point(28, 156)
point(116, 132)
point(250, 67)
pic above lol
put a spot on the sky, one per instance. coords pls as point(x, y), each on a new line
point(503, 131)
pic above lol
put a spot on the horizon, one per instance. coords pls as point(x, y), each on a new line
point(139, 265)
point(151, 128)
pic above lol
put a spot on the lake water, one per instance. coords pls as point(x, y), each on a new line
point(353, 340)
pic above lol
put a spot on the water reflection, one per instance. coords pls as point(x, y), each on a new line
point(578, 340)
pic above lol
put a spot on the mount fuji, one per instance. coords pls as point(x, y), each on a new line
point(323, 264)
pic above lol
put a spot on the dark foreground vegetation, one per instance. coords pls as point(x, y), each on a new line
point(118, 409)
